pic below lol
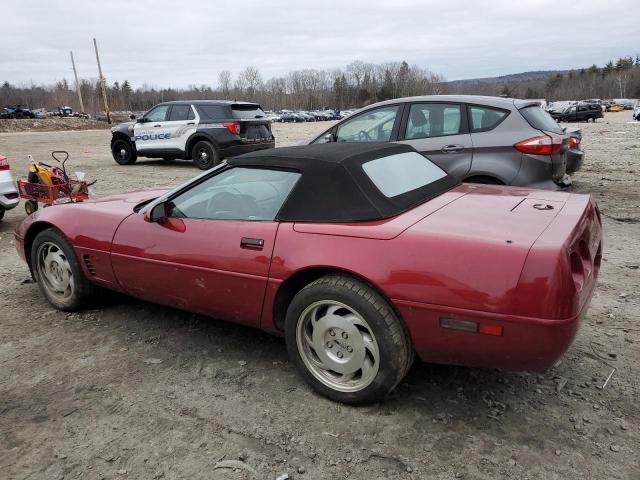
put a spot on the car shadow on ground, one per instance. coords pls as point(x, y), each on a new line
point(441, 391)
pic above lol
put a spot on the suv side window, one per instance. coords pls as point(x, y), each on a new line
point(485, 118)
point(181, 112)
point(433, 120)
point(372, 126)
point(214, 112)
point(582, 109)
point(157, 114)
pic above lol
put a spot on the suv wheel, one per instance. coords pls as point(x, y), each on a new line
point(123, 152)
point(204, 155)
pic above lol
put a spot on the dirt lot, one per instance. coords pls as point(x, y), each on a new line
point(52, 124)
point(133, 390)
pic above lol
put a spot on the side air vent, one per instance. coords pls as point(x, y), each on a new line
point(89, 264)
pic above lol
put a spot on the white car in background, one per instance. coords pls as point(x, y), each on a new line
point(8, 193)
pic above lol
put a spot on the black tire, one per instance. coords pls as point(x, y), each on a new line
point(81, 290)
point(1, 213)
point(30, 206)
point(390, 335)
point(123, 152)
point(204, 155)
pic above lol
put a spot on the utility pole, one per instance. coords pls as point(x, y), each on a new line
point(103, 84)
point(75, 74)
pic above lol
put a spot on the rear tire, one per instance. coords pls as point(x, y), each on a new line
point(123, 152)
point(57, 271)
point(204, 155)
point(347, 341)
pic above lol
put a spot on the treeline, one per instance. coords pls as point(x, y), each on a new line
point(617, 79)
point(356, 85)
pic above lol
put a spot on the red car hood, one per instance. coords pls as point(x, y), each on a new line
point(125, 202)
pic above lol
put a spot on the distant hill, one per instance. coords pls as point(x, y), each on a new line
point(514, 77)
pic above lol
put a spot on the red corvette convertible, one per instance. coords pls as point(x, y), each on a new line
point(359, 254)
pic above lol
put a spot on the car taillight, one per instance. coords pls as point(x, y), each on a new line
point(573, 142)
point(4, 163)
point(233, 127)
point(542, 145)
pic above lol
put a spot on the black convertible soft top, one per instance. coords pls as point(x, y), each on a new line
point(333, 186)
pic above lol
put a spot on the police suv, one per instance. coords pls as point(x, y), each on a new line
point(205, 131)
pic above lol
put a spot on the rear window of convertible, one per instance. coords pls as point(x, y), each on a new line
point(402, 173)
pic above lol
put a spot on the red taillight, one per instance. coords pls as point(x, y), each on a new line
point(233, 127)
point(542, 145)
point(487, 329)
point(573, 142)
point(4, 163)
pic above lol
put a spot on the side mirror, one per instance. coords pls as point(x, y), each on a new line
point(132, 116)
point(328, 138)
point(157, 213)
point(141, 119)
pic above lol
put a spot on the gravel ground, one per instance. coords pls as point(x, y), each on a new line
point(133, 390)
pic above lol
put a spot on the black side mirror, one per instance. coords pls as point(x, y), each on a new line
point(141, 120)
point(132, 116)
point(157, 213)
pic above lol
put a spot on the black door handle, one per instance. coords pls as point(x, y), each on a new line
point(191, 123)
point(157, 125)
point(257, 243)
point(452, 148)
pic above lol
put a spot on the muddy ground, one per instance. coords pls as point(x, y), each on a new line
point(133, 390)
point(51, 124)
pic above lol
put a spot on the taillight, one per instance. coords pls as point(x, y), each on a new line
point(542, 145)
point(573, 142)
point(4, 163)
point(233, 127)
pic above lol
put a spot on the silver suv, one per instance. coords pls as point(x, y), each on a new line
point(476, 139)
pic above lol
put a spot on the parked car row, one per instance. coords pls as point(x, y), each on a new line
point(474, 139)
point(303, 116)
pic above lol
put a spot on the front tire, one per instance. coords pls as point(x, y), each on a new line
point(57, 271)
point(123, 152)
point(1, 213)
point(204, 155)
point(346, 340)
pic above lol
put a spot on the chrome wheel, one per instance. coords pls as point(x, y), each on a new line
point(123, 154)
point(337, 346)
point(54, 271)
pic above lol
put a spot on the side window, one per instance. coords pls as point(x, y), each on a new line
point(158, 114)
point(486, 118)
point(433, 120)
point(214, 112)
point(582, 109)
point(181, 112)
point(372, 126)
point(236, 194)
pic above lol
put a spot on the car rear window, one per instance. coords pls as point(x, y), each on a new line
point(247, 112)
point(402, 173)
point(539, 119)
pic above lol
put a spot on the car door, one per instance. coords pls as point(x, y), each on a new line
point(180, 124)
point(439, 132)
point(211, 252)
point(150, 132)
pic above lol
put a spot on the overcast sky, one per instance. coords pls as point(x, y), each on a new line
point(177, 43)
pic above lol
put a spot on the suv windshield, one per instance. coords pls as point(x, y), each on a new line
point(540, 119)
